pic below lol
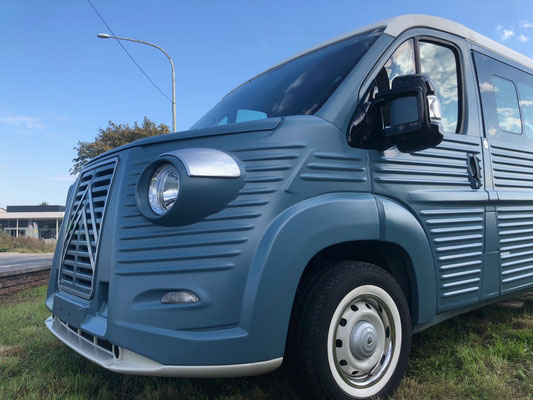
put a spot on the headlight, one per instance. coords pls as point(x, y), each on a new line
point(163, 189)
point(181, 188)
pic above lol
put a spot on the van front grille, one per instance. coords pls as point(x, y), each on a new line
point(82, 234)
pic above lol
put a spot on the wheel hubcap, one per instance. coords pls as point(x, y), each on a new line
point(363, 339)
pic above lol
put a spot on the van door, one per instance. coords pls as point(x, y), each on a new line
point(442, 186)
point(507, 103)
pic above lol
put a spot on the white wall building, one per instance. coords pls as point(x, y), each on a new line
point(22, 220)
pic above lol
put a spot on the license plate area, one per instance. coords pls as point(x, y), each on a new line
point(70, 310)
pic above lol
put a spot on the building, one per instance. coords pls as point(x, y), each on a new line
point(37, 221)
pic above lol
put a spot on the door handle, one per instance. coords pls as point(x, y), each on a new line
point(474, 170)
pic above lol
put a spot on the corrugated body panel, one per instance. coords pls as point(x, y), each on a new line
point(434, 184)
point(457, 237)
point(330, 172)
point(512, 167)
point(443, 166)
point(515, 229)
point(215, 243)
point(212, 256)
point(334, 167)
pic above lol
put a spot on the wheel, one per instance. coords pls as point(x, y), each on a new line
point(350, 335)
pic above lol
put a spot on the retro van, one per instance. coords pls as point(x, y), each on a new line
point(319, 215)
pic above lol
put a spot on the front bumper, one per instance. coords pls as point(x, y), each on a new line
point(127, 362)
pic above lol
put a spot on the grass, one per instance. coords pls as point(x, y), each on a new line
point(486, 354)
point(23, 244)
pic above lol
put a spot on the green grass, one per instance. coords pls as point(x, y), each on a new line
point(486, 354)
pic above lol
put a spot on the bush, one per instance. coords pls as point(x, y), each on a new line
point(23, 244)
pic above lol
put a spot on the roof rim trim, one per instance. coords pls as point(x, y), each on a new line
point(397, 25)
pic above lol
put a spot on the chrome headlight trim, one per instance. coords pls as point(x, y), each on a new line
point(206, 162)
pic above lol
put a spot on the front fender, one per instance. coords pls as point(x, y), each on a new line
point(398, 225)
point(310, 226)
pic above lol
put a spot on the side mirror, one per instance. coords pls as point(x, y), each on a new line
point(407, 116)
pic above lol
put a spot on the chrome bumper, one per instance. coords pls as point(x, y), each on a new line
point(129, 362)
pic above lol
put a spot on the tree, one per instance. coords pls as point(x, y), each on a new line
point(43, 203)
point(114, 135)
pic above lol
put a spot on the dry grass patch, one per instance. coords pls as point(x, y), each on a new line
point(8, 351)
point(23, 244)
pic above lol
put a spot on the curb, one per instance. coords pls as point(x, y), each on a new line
point(20, 279)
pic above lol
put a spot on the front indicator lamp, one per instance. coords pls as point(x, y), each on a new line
point(435, 113)
point(180, 297)
point(163, 189)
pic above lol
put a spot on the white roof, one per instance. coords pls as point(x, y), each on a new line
point(397, 25)
point(33, 215)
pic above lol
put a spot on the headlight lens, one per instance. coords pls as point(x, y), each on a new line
point(163, 190)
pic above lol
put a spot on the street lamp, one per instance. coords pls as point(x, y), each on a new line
point(106, 36)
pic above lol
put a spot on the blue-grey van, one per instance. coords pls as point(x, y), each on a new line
point(319, 215)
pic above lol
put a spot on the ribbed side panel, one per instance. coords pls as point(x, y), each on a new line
point(512, 168)
point(515, 227)
point(272, 171)
point(441, 167)
point(434, 185)
point(457, 237)
point(214, 256)
point(334, 167)
point(513, 179)
point(216, 242)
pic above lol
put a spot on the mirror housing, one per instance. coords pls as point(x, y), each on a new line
point(406, 116)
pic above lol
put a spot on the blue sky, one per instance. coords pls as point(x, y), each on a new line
point(60, 83)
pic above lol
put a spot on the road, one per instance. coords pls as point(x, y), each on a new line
point(19, 261)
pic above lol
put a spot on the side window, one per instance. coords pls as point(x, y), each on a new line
point(526, 105)
point(243, 116)
point(506, 98)
point(249, 115)
point(402, 62)
point(507, 105)
point(440, 64)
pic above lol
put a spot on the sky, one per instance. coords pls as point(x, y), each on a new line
point(60, 83)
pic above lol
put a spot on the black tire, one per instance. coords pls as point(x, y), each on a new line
point(313, 347)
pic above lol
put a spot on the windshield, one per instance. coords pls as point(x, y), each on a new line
point(297, 87)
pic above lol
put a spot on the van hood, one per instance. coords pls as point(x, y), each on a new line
point(267, 124)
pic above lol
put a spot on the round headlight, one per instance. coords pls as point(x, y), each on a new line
point(163, 190)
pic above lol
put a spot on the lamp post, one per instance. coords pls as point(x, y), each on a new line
point(106, 36)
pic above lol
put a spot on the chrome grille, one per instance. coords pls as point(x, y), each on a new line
point(82, 235)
